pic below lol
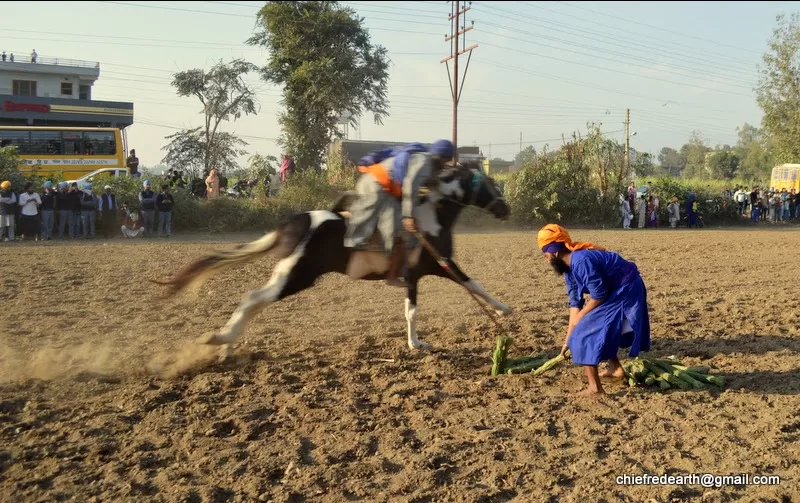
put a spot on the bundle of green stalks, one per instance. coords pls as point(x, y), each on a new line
point(668, 374)
point(537, 364)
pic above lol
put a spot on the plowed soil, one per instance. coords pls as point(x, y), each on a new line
point(323, 401)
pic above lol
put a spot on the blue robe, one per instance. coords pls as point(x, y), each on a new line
point(606, 276)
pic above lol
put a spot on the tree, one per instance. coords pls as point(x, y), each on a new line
point(224, 96)
point(190, 151)
point(778, 89)
point(754, 152)
point(526, 157)
point(322, 56)
point(671, 161)
point(695, 154)
point(722, 163)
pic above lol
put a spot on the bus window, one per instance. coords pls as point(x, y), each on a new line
point(100, 142)
point(45, 142)
point(73, 142)
point(12, 138)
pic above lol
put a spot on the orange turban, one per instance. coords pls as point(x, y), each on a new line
point(553, 233)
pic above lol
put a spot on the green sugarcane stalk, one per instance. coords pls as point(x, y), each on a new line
point(526, 366)
point(667, 375)
point(500, 354)
point(715, 380)
point(549, 364)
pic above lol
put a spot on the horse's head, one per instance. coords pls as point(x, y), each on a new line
point(467, 185)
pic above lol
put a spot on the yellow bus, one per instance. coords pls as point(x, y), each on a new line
point(71, 151)
point(785, 176)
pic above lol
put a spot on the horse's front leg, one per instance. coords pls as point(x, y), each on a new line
point(412, 280)
point(476, 288)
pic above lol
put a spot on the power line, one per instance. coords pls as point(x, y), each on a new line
point(624, 55)
point(586, 65)
point(594, 22)
point(253, 16)
point(598, 36)
point(658, 27)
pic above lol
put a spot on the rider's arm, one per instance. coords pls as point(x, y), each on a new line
point(418, 171)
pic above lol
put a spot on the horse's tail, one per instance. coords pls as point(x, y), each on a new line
point(196, 273)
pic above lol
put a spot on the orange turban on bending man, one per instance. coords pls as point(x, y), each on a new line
point(553, 238)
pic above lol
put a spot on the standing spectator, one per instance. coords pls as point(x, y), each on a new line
point(108, 210)
point(755, 211)
point(164, 202)
point(741, 197)
point(674, 212)
point(29, 203)
point(4, 56)
point(632, 196)
point(656, 206)
point(691, 216)
point(12, 57)
point(625, 208)
point(48, 209)
point(212, 184)
point(147, 199)
point(287, 167)
point(33, 56)
point(88, 210)
point(132, 164)
point(63, 204)
point(642, 211)
point(75, 204)
point(8, 208)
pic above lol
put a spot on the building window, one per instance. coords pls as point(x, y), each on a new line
point(66, 88)
point(24, 88)
point(84, 92)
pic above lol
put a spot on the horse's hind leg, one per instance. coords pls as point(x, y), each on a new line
point(280, 285)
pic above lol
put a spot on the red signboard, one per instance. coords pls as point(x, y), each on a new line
point(10, 106)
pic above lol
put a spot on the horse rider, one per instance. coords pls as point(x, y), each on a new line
point(388, 193)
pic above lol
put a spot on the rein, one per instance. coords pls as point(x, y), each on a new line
point(477, 179)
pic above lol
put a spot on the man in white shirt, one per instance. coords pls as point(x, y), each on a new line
point(674, 212)
point(29, 203)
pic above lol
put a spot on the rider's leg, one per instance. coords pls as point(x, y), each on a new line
point(396, 262)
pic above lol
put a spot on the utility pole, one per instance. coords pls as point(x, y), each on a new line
point(627, 161)
point(520, 141)
point(457, 31)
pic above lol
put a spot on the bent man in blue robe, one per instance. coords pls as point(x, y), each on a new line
point(615, 315)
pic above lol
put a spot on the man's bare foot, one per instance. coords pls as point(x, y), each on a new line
point(614, 369)
point(616, 373)
point(589, 393)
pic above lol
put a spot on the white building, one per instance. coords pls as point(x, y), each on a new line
point(55, 92)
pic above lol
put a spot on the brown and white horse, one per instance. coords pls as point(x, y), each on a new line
point(311, 244)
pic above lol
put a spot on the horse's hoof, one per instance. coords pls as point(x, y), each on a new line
point(504, 312)
point(225, 353)
point(419, 345)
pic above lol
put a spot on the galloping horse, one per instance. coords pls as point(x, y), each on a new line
point(311, 244)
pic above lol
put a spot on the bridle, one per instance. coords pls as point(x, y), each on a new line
point(478, 178)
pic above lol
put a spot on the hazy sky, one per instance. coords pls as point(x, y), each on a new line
point(542, 68)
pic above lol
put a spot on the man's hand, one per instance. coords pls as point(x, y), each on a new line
point(564, 350)
point(409, 225)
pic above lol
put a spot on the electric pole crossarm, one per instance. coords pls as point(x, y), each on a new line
point(451, 37)
point(458, 13)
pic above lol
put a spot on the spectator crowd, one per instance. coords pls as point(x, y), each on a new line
point(74, 213)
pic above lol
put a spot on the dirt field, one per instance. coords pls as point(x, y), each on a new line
point(324, 402)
